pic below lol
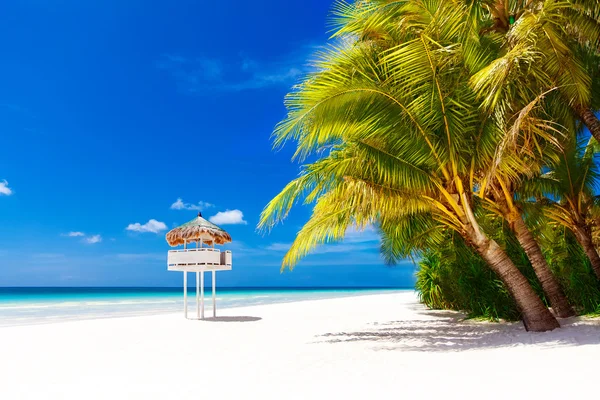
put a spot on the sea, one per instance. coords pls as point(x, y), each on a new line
point(26, 306)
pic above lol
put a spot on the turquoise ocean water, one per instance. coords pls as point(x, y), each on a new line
point(24, 306)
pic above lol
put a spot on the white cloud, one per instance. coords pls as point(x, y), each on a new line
point(93, 239)
point(152, 225)
point(4, 189)
point(180, 205)
point(74, 234)
point(228, 217)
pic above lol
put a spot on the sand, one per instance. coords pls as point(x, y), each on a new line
point(384, 345)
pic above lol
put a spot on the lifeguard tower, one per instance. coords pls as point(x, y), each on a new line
point(204, 257)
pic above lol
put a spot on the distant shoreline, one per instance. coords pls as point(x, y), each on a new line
point(219, 288)
point(27, 306)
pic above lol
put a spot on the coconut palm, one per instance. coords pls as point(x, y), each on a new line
point(500, 192)
point(570, 194)
point(452, 276)
point(534, 41)
point(562, 37)
point(402, 140)
point(565, 38)
point(502, 201)
point(570, 263)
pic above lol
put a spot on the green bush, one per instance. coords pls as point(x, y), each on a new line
point(454, 277)
point(571, 266)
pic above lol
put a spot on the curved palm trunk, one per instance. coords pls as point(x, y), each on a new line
point(536, 317)
point(590, 120)
point(585, 240)
point(558, 300)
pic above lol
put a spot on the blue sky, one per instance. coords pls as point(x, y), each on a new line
point(120, 120)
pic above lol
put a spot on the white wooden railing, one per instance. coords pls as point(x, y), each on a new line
point(201, 256)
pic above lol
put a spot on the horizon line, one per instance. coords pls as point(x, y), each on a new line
point(220, 287)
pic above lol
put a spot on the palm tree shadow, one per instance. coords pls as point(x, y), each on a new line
point(233, 319)
point(447, 333)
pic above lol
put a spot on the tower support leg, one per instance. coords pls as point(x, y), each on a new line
point(185, 294)
point(214, 296)
point(202, 295)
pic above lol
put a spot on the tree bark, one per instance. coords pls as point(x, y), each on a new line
point(590, 120)
point(585, 240)
point(558, 300)
point(536, 317)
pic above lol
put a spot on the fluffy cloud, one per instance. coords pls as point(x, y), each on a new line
point(93, 239)
point(152, 225)
point(85, 239)
point(180, 205)
point(74, 234)
point(4, 189)
point(228, 217)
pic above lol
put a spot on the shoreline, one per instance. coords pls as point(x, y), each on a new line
point(373, 345)
point(82, 308)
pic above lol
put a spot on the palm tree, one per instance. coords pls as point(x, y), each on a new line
point(452, 276)
point(500, 191)
point(569, 261)
point(564, 36)
point(401, 137)
point(502, 201)
point(570, 195)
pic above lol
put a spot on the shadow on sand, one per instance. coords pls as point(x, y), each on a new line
point(444, 331)
point(233, 319)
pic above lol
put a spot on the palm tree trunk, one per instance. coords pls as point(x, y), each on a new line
point(590, 120)
point(558, 300)
point(585, 240)
point(536, 317)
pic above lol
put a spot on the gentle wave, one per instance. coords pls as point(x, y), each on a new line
point(84, 303)
point(65, 307)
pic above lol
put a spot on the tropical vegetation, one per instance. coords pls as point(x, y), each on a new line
point(456, 128)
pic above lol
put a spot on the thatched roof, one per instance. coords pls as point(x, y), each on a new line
point(196, 230)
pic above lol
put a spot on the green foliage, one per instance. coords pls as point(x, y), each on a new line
point(424, 112)
point(572, 267)
point(464, 284)
point(399, 135)
point(453, 277)
point(432, 284)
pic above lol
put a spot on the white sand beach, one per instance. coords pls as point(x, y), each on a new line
point(384, 345)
